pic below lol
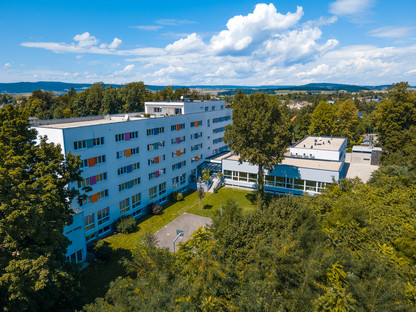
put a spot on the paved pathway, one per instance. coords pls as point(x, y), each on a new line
point(187, 222)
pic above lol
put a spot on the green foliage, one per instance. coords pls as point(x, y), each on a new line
point(126, 225)
point(395, 117)
point(179, 197)
point(259, 132)
point(206, 175)
point(323, 120)
point(347, 120)
point(34, 197)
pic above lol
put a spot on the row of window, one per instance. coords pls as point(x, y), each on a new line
point(156, 160)
point(157, 173)
point(126, 136)
point(124, 205)
point(196, 135)
point(215, 141)
point(128, 168)
point(177, 127)
point(127, 153)
point(179, 165)
point(155, 146)
point(179, 180)
point(195, 124)
point(153, 191)
point(128, 185)
point(269, 180)
point(221, 119)
point(155, 131)
point(179, 152)
point(88, 143)
point(178, 140)
point(196, 158)
point(219, 150)
point(94, 198)
point(218, 130)
point(93, 180)
point(196, 147)
point(91, 162)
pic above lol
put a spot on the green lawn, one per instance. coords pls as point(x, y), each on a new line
point(97, 277)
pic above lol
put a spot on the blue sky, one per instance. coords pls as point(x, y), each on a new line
point(242, 42)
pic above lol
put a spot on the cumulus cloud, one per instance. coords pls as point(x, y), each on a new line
point(350, 7)
point(244, 32)
point(126, 70)
point(7, 65)
point(391, 32)
point(192, 42)
point(85, 40)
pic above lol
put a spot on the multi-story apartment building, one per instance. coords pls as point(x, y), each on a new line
point(132, 161)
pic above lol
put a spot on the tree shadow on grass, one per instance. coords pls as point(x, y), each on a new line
point(252, 197)
point(96, 278)
point(207, 206)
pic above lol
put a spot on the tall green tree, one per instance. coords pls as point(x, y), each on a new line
point(34, 208)
point(347, 120)
point(395, 116)
point(259, 133)
point(323, 120)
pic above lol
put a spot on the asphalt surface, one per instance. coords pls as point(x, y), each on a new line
point(187, 222)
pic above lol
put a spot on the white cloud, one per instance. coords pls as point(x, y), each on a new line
point(7, 65)
point(85, 40)
point(126, 70)
point(350, 7)
point(391, 32)
point(192, 42)
point(173, 22)
point(244, 32)
point(115, 43)
point(322, 21)
point(148, 27)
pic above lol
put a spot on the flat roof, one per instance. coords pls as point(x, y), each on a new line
point(365, 149)
point(321, 143)
point(305, 163)
point(83, 122)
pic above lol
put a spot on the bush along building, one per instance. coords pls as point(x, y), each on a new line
point(132, 161)
point(308, 167)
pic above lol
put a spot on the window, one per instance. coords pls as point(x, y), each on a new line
point(103, 216)
point(215, 141)
point(196, 124)
point(90, 237)
point(155, 146)
point(155, 131)
point(128, 169)
point(155, 160)
point(227, 174)
point(153, 192)
point(89, 222)
point(83, 164)
point(252, 177)
point(213, 108)
point(178, 111)
point(182, 179)
point(93, 180)
point(157, 109)
point(177, 127)
point(94, 198)
point(218, 130)
point(196, 147)
point(162, 188)
point(196, 158)
point(104, 230)
point(93, 161)
point(206, 108)
point(124, 205)
point(126, 136)
point(136, 200)
point(178, 152)
point(178, 140)
point(88, 143)
point(175, 182)
point(196, 135)
point(179, 165)
point(127, 153)
point(221, 119)
point(128, 185)
point(157, 173)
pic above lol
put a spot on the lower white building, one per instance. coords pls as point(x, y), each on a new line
point(308, 167)
point(131, 161)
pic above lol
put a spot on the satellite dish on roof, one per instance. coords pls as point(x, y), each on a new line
point(126, 117)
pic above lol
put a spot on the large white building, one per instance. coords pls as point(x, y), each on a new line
point(309, 165)
point(131, 161)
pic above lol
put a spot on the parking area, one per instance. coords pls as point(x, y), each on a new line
point(187, 223)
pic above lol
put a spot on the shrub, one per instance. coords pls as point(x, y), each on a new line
point(157, 209)
point(179, 197)
point(173, 197)
point(102, 250)
point(126, 225)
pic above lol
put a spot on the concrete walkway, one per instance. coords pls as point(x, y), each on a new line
point(187, 222)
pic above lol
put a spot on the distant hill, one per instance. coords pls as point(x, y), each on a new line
point(63, 87)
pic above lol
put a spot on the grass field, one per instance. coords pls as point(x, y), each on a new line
point(97, 277)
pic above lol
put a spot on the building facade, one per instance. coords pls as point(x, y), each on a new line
point(308, 167)
point(132, 161)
